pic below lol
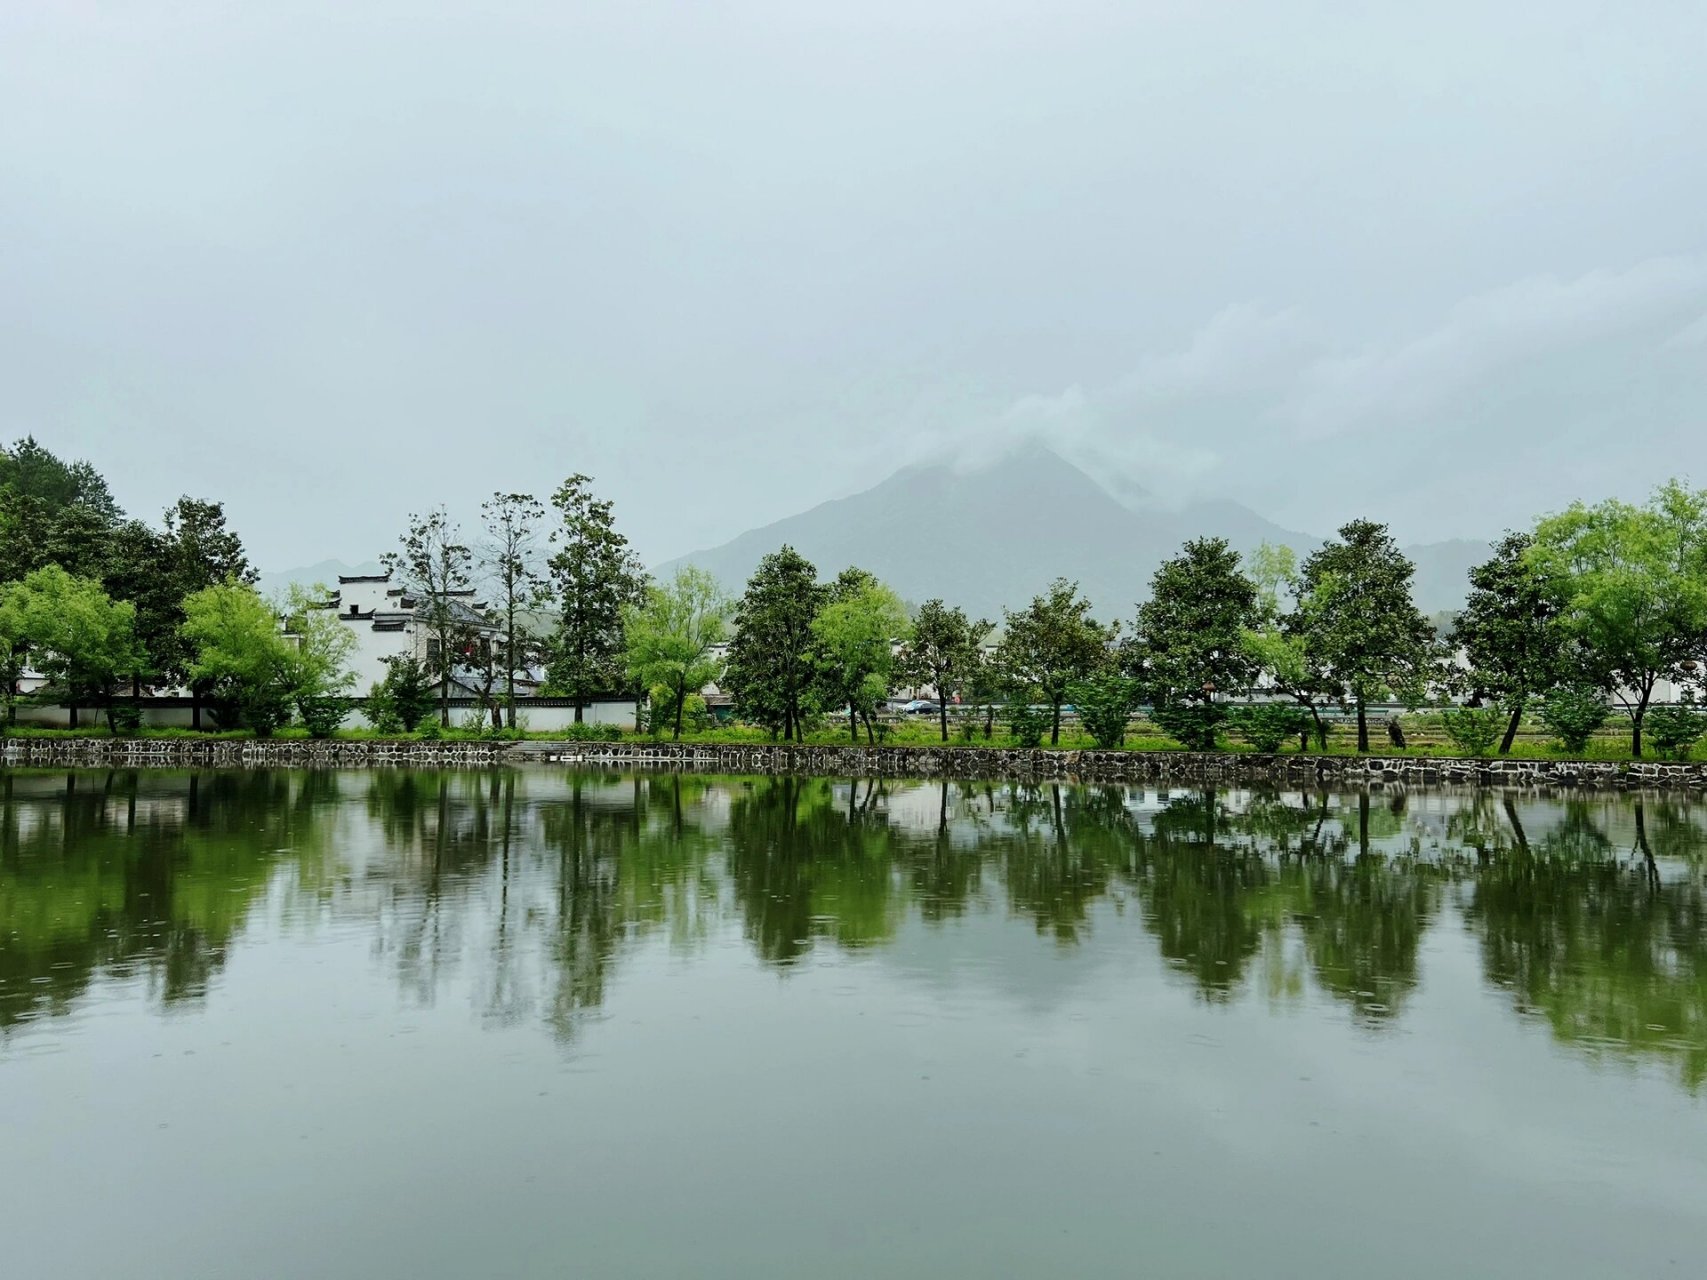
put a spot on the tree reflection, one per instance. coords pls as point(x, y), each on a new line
point(529, 888)
point(1593, 938)
point(121, 874)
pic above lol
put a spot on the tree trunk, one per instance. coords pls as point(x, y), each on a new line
point(1055, 727)
point(1511, 726)
point(989, 720)
point(1362, 726)
point(1636, 720)
point(681, 704)
point(853, 723)
point(1321, 727)
point(73, 710)
point(578, 711)
point(942, 711)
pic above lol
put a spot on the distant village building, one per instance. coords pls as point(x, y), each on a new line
point(385, 621)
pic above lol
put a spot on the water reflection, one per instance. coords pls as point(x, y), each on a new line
point(534, 886)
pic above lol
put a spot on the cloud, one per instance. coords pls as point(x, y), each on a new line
point(1484, 334)
point(1224, 411)
point(1691, 335)
point(1245, 346)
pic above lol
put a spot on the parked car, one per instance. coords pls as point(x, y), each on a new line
point(920, 707)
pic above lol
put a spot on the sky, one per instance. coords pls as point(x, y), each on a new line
point(1444, 265)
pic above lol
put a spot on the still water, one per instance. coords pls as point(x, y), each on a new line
point(533, 1023)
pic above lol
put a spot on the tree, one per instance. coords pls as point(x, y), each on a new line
point(770, 658)
point(1631, 583)
point(856, 631)
point(433, 568)
point(30, 470)
point(670, 636)
point(1105, 703)
point(594, 576)
point(1357, 620)
point(318, 672)
point(156, 570)
point(78, 636)
point(52, 512)
point(403, 698)
point(14, 647)
point(1188, 644)
point(1275, 642)
point(241, 654)
point(944, 653)
point(510, 560)
point(1510, 631)
point(1053, 643)
point(1572, 713)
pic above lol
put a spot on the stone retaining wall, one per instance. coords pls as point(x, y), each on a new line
point(1184, 767)
point(1119, 766)
point(284, 753)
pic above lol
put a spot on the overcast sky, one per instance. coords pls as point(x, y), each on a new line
point(1442, 264)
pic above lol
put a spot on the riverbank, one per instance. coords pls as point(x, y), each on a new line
point(967, 763)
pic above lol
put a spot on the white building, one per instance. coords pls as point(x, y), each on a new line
point(386, 624)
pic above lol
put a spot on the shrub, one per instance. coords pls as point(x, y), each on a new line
point(1027, 725)
point(1474, 730)
point(1675, 729)
point(1269, 725)
point(1571, 713)
point(587, 732)
point(322, 716)
point(401, 701)
point(1105, 705)
point(1194, 725)
point(125, 718)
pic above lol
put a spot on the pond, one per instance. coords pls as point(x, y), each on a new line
point(538, 1023)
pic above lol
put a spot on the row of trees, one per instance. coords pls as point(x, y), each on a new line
point(91, 598)
point(1593, 608)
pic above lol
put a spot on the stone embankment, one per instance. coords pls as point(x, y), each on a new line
point(1184, 767)
point(228, 753)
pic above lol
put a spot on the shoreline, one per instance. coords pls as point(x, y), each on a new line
point(969, 763)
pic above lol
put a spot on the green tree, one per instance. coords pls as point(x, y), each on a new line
point(318, 672)
point(1510, 632)
point(1572, 713)
point(156, 570)
point(78, 636)
point(433, 568)
point(770, 658)
point(669, 638)
point(404, 697)
point(1105, 703)
point(1052, 644)
point(1632, 585)
point(1356, 618)
point(1276, 643)
point(1676, 728)
point(1188, 645)
point(14, 646)
point(944, 653)
point(510, 559)
point(594, 577)
point(241, 653)
point(52, 513)
point(856, 630)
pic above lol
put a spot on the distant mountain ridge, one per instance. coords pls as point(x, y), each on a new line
point(996, 537)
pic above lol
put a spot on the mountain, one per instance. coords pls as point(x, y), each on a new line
point(995, 537)
point(326, 573)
